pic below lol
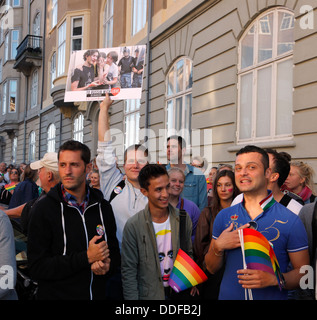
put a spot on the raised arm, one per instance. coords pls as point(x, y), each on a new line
point(103, 123)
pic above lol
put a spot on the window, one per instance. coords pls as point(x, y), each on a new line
point(77, 34)
point(34, 88)
point(138, 15)
point(9, 96)
point(61, 49)
point(51, 136)
point(14, 149)
point(1, 30)
point(13, 86)
point(4, 102)
point(54, 13)
point(179, 98)
point(108, 24)
point(53, 69)
point(14, 43)
point(37, 30)
point(0, 70)
point(79, 128)
point(6, 47)
point(265, 78)
point(132, 122)
point(16, 3)
point(32, 146)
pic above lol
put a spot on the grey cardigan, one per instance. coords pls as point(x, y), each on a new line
point(141, 272)
point(7, 259)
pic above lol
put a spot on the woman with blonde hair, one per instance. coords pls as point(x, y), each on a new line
point(300, 181)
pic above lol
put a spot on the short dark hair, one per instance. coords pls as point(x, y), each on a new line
point(135, 147)
point(251, 148)
point(181, 140)
point(150, 171)
point(281, 165)
point(73, 145)
point(89, 53)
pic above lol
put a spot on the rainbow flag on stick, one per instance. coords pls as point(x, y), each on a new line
point(258, 253)
point(185, 273)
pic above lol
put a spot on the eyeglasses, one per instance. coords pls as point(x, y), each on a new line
point(14, 172)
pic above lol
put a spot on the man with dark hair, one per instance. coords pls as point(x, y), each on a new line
point(280, 167)
point(83, 76)
point(195, 187)
point(151, 240)
point(125, 64)
point(260, 211)
point(250, 149)
point(72, 244)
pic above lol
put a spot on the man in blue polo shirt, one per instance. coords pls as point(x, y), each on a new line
point(260, 211)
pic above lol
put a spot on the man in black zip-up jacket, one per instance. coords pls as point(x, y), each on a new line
point(72, 244)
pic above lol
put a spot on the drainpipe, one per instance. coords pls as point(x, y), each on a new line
point(26, 90)
point(148, 56)
point(25, 114)
point(43, 74)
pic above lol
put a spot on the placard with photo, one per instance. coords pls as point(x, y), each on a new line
point(117, 71)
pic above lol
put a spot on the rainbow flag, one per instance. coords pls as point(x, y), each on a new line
point(185, 273)
point(258, 253)
point(10, 187)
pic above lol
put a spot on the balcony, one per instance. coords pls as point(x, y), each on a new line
point(29, 54)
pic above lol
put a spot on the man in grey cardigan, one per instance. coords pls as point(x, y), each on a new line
point(151, 240)
point(8, 271)
point(306, 215)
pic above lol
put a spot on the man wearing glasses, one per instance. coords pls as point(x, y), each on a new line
point(259, 210)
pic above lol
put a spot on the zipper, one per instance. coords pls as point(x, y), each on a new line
point(87, 242)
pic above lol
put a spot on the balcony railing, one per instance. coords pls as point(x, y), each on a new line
point(31, 44)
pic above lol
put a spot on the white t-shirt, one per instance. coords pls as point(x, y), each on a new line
point(163, 234)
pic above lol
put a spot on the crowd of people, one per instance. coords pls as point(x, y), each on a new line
point(96, 233)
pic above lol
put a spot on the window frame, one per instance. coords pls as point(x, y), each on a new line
point(254, 69)
point(72, 37)
point(132, 117)
point(51, 138)
point(34, 89)
point(78, 127)
point(54, 13)
point(32, 146)
point(138, 14)
point(108, 24)
point(53, 69)
point(61, 56)
point(6, 92)
point(185, 119)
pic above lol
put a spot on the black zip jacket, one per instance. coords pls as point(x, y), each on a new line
point(58, 240)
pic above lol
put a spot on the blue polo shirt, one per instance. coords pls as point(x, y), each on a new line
point(279, 225)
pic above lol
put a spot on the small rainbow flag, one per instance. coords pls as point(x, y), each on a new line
point(258, 253)
point(10, 187)
point(185, 273)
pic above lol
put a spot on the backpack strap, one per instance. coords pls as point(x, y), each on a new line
point(117, 190)
point(285, 200)
point(182, 229)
